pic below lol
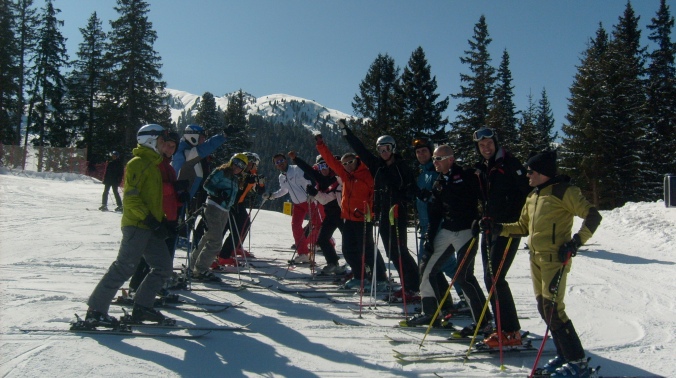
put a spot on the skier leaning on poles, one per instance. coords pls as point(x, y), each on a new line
point(394, 185)
point(547, 219)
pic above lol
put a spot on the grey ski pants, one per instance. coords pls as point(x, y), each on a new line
point(212, 241)
point(136, 243)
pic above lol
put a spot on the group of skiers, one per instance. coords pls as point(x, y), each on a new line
point(498, 201)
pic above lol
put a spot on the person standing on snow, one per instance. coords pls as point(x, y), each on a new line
point(328, 193)
point(452, 213)
point(111, 179)
point(143, 234)
point(394, 185)
point(293, 180)
point(547, 219)
point(221, 186)
point(504, 188)
point(357, 199)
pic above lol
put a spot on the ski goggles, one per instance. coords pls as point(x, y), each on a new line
point(483, 133)
point(384, 148)
point(420, 142)
point(239, 163)
point(279, 161)
point(321, 166)
point(346, 163)
point(441, 158)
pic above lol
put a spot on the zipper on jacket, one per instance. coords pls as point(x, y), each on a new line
point(553, 233)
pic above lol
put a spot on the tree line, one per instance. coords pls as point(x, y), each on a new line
point(620, 121)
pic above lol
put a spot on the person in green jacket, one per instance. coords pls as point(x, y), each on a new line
point(547, 219)
point(143, 234)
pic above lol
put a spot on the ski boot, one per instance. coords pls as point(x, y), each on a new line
point(103, 208)
point(140, 314)
point(419, 320)
point(95, 319)
point(573, 369)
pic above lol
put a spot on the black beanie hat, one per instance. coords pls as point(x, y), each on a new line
point(543, 163)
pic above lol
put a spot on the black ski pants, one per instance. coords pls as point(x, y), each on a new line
point(358, 240)
point(238, 230)
point(509, 321)
point(329, 225)
point(407, 267)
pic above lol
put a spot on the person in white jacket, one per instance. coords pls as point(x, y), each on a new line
point(292, 180)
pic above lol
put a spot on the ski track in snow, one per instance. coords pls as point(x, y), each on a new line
point(53, 252)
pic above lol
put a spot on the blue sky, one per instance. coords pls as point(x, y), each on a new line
point(322, 50)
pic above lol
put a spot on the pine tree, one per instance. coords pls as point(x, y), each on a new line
point(661, 92)
point(27, 22)
point(529, 139)
point(9, 72)
point(502, 112)
point(625, 63)
point(378, 102)
point(49, 87)
point(544, 122)
point(477, 93)
point(235, 117)
point(208, 114)
point(136, 89)
point(587, 140)
point(84, 88)
point(422, 114)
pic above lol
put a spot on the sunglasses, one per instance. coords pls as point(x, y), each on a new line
point(322, 166)
point(384, 148)
point(483, 133)
point(529, 171)
point(440, 158)
point(346, 163)
point(279, 161)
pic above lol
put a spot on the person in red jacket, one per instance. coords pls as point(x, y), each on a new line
point(356, 201)
point(170, 205)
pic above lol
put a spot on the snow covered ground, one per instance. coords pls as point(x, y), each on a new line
point(53, 251)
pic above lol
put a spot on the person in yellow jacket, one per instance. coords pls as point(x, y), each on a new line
point(547, 219)
point(143, 234)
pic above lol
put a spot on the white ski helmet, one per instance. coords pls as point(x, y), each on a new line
point(253, 157)
point(192, 134)
point(386, 140)
point(147, 135)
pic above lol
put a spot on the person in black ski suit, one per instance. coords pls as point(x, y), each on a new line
point(111, 179)
point(504, 187)
point(394, 185)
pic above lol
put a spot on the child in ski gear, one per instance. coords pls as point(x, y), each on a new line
point(294, 181)
point(143, 234)
point(356, 201)
point(393, 184)
point(248, 181)
point(111, 179)
point(547, 219)
point(221, 186)
point(452, 211)
point(504, 187)
point(327, 192)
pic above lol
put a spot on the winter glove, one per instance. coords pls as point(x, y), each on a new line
point(261, 180)
point(423, 194)
point(266, 196)
point(475, 228)
point(428, 246)
point(569, 249)
point(230, 129)
point(292, 155)
point(320, 139)
point(183, 197)
point(486, 224)
point(159, 229)
point(311, 190)
point(342, 126)
point(251, 179)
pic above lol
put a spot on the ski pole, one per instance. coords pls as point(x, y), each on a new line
point(551, 314)
point(448, 291)
point(367, 220)
point(488, 300)
point(394, 216)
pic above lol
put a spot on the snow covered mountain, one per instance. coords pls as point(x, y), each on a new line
point(279, 108)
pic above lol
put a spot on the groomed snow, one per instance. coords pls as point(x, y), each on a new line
point(53, 251)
